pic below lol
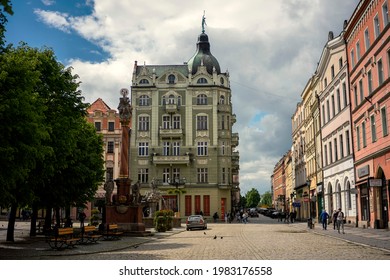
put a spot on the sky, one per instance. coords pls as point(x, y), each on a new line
point(270, 48)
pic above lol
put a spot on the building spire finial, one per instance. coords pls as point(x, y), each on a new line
point(203, 21)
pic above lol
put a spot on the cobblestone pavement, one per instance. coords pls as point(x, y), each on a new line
point(261, 239)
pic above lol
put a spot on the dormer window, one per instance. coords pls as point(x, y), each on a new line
point(144, 82)
point(202, 81)
point(171, 79)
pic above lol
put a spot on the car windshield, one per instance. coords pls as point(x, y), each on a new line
point(194, 218)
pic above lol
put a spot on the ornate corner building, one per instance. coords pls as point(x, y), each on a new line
point(182, 139)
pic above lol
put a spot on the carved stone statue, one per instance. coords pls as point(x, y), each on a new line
point(109, 188)
point(124, 109)
point(135, 189)
point(203, 22)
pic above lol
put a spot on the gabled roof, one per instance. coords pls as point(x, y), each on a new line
point(98, 105)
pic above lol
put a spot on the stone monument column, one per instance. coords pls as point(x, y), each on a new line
point(124, 182)
point(124, 210)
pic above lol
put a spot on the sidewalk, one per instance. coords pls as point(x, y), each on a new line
point(377, 238)
point(33, 248)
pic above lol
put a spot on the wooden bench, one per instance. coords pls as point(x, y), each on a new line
point(89, 235)
point(40, 226)
point(112, 232)
point(62, 238)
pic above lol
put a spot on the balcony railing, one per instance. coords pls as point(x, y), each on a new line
point(166, 132)
point(171, 108)
point(158, 159)
point(235, 139)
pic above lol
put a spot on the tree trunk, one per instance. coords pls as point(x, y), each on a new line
point(58, 218)
point(47, 227)
point(33, 225)
point(11, 223)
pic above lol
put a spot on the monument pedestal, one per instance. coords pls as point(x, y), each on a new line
point(127, 217)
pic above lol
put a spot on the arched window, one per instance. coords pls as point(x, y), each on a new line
point(338, 196)
point(171, 99)
point(222, 99)
point(202, 81)
point(171, 79)
point(348, 196)
point(179, 100)
point(201, 99)
point(330, 198)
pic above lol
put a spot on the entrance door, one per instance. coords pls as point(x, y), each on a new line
point(365, 203)
point(385, 210)
point(223, 205)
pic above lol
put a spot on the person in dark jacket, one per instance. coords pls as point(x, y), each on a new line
point(324, 219)
point(334, 219)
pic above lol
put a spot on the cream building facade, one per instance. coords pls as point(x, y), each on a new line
point(182, 137)
point(338, 165)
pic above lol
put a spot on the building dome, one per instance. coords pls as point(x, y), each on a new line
point(203, 56)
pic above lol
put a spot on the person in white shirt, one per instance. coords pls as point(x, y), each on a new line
point(340, 221)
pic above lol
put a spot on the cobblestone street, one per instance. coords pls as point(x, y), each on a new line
point(261, 239)
point(246, 242)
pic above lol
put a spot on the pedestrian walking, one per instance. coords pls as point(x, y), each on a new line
point(82, 217)
point(334, 219)
point(340, 221)
point(215, 217)
point(245, 217)
point(324, 219)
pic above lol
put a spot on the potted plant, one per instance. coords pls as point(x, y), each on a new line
point(163, 220)
point(94, 220)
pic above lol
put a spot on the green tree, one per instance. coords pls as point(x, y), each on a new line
point(71, 174)
point(23, 133)
point(53, 157)
point(252, 198)
point(266, 199)
point(5, 7)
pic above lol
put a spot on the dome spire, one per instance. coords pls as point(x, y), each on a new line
point(203, 56)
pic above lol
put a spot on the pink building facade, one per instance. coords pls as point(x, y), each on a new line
point(367, 35)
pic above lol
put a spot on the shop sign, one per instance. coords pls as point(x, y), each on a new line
point(296, 204)
point(363, 171)
point(375, 182)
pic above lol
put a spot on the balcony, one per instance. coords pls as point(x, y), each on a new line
point(224, 108)
point(235, 139)
point(171, 108)
point(176, 160)
point(174, 133)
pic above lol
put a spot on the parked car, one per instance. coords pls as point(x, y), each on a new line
point(253, 212)
point(196, 221)
point(269, 212)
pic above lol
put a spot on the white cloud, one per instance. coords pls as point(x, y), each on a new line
point(48, 2)
point(270, 48)
point(54, 19)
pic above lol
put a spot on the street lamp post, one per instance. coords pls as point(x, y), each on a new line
point(177, 182)
point(309, 220)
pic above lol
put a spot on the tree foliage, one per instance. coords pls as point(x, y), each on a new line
point(52, 156)
point(266, 199)
point(252, 198)
point(5, 7)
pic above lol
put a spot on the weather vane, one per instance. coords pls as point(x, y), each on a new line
point(203, 21)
